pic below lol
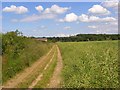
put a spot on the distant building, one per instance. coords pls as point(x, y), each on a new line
point(42, 39)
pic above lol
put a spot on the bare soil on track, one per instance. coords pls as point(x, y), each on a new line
point(54, 80)
point(13, 82)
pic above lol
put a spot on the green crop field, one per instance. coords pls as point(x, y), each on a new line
point(90, 64)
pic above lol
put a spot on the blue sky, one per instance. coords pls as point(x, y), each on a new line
point(59, 18)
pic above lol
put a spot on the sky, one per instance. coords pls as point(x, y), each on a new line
point(60, 19)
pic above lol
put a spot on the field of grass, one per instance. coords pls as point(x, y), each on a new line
point(90, 64)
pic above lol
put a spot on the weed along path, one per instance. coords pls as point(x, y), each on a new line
point(45, 72)
point(20, 79)
point(56, 78)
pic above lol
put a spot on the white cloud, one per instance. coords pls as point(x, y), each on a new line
point(15, 9)
point(108, 19)
point(39, 8)
point(56, 9)
point(93, 27)
point(66, 35)
point(86, 18)
point(69, 18)
point(48, 13)
point(62, 35)
point(83, 18)
point(110, 4)
point(37, 17)
point(98, 9)
point(67, 27)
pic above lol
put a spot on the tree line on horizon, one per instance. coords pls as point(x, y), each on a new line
point(76, 38)
point(85, 37)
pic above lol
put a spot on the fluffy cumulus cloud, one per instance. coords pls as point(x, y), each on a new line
point(15, 9)
point(71, 17)
point(56, 9)
point(86, 18)
point(110, 3)
point(48, 13)
point(39, 8)
point(83, 18)
point(67, 27)
point(98, 9)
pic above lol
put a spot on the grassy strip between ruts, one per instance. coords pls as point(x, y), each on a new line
point(47, 74)
point(26, 83)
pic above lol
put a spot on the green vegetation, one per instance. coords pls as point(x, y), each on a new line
point(0, 43)
point(86, 37)
point(86, 64)
point(40, 69)
point(90, 64)
point(47, 74)
point(0, 70)
point(19, 52)
point(0, 59)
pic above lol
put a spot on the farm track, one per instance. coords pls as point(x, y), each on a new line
point(30, 71)
point(56, 78)
point(13, 82)
point(39, 77)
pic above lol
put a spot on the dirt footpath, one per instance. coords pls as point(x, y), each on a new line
point(13, 82)
point(56, 78)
